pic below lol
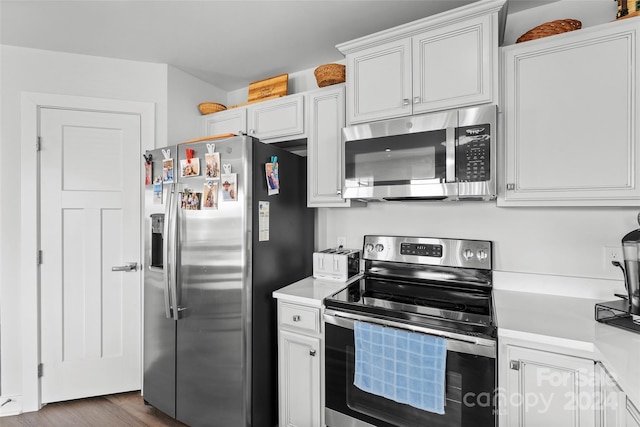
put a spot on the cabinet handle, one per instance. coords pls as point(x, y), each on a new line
point(405, 102)
point(312, 353)
point(296, 318)
point(416, 100)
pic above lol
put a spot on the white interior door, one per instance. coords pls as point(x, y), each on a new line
point(90, 222)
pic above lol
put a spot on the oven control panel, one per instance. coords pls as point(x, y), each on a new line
point(429, 251)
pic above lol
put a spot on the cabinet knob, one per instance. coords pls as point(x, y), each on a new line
point(296, 318)
point(405, 102)
point(339, 193)
point(252, 131)
point(312, 352)
point(511, 187)
point(416, 100)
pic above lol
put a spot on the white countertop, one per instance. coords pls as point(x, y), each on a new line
point(568, 323)
point(556, 321)
point(310, 291)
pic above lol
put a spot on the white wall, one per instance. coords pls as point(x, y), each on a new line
point(185, 92)
point(555, 241)
point(29, 70)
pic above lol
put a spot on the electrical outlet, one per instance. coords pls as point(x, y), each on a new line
point(613, 253)
point(341, 241)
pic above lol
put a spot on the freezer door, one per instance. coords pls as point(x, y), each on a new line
point(159, 329)
point(211, 371)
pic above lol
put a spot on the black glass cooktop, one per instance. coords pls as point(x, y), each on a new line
point(443, 306)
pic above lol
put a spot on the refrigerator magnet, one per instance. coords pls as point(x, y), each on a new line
point(167, 171)
point(157, 191)
point(212, 168)
point(210, 195)
point(148, 169)
point(263, 221)
point(191, 200)
point(271, 174)
point(229, 186)
point(191, 165)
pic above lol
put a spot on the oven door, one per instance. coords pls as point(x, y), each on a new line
point(400, 158)
point(470, 382)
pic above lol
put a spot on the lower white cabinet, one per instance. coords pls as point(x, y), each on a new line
point(299, 365)
point(633, 415)
point(547, 389)
point(610, 399)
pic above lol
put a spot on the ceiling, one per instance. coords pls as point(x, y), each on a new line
point(226, 43)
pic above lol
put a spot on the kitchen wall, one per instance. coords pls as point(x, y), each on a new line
point(175, 95)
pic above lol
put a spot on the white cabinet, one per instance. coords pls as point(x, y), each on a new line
point(299, 365)
point(547, 389)
point(633, 415)
point(441, 62)
point(325, 120)
point(570, 118)
point(278, 119)
point(227, 121)
point(275, 120)
point(610, 401)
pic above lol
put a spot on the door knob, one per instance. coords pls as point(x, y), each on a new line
point(131, 266)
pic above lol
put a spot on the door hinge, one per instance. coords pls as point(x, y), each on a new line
point(39, 370)
point(38, 143)
point(39, 258)
point(514, 364)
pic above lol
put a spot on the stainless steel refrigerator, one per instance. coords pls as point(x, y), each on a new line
point(210, 341)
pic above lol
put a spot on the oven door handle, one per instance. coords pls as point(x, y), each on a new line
point(458, 343)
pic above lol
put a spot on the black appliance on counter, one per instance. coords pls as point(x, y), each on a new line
point(437, 287)
point(625, 312)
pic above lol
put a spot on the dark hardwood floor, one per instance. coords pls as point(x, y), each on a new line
point(126, 409)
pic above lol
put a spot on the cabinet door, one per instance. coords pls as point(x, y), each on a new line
point(227, 121)
point(299, 380)
point(453, 66)
point(325, 120)
point(379, 82)
point(610, 400)
point(549, 389)
point(570, 113)
point(279, 119)
point(633, 415)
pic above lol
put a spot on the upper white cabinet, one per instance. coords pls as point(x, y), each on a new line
point(570, 118)
point(446, 61)
point(281, 118)
point(325, 120)
point(275, 120)
point(227, 121)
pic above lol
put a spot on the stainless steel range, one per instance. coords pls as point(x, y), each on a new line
point(426, 286)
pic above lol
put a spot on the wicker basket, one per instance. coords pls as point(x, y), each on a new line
point(211, 107)
point(329, 74)
point(550, 28)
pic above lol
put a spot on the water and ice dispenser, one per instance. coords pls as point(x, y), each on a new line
point(157, 240)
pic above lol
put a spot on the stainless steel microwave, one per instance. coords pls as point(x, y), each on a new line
point(447, 155)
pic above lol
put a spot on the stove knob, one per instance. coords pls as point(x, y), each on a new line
point(482, 255)
point(468, 254)
point(379, 247)
point(368, 247)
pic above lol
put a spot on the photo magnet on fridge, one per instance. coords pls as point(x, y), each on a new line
point(210, 195)
point(273, 181)
point(212, 168)
point(229, 183)
point(167, 171)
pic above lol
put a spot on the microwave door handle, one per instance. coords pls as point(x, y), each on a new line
point(450, 145)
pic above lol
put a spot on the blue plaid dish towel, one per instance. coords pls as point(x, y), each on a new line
point(405, 367)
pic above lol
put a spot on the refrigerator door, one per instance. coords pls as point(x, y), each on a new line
point(211, 372)
point(159, 329)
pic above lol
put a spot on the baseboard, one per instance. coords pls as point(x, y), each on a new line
point(10, 405)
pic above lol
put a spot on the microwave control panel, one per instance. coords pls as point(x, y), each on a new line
point(473, 153)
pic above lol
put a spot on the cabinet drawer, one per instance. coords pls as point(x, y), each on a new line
point(300, 317)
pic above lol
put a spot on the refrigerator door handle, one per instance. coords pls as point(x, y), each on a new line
point(175, 206)
point(168, 242)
